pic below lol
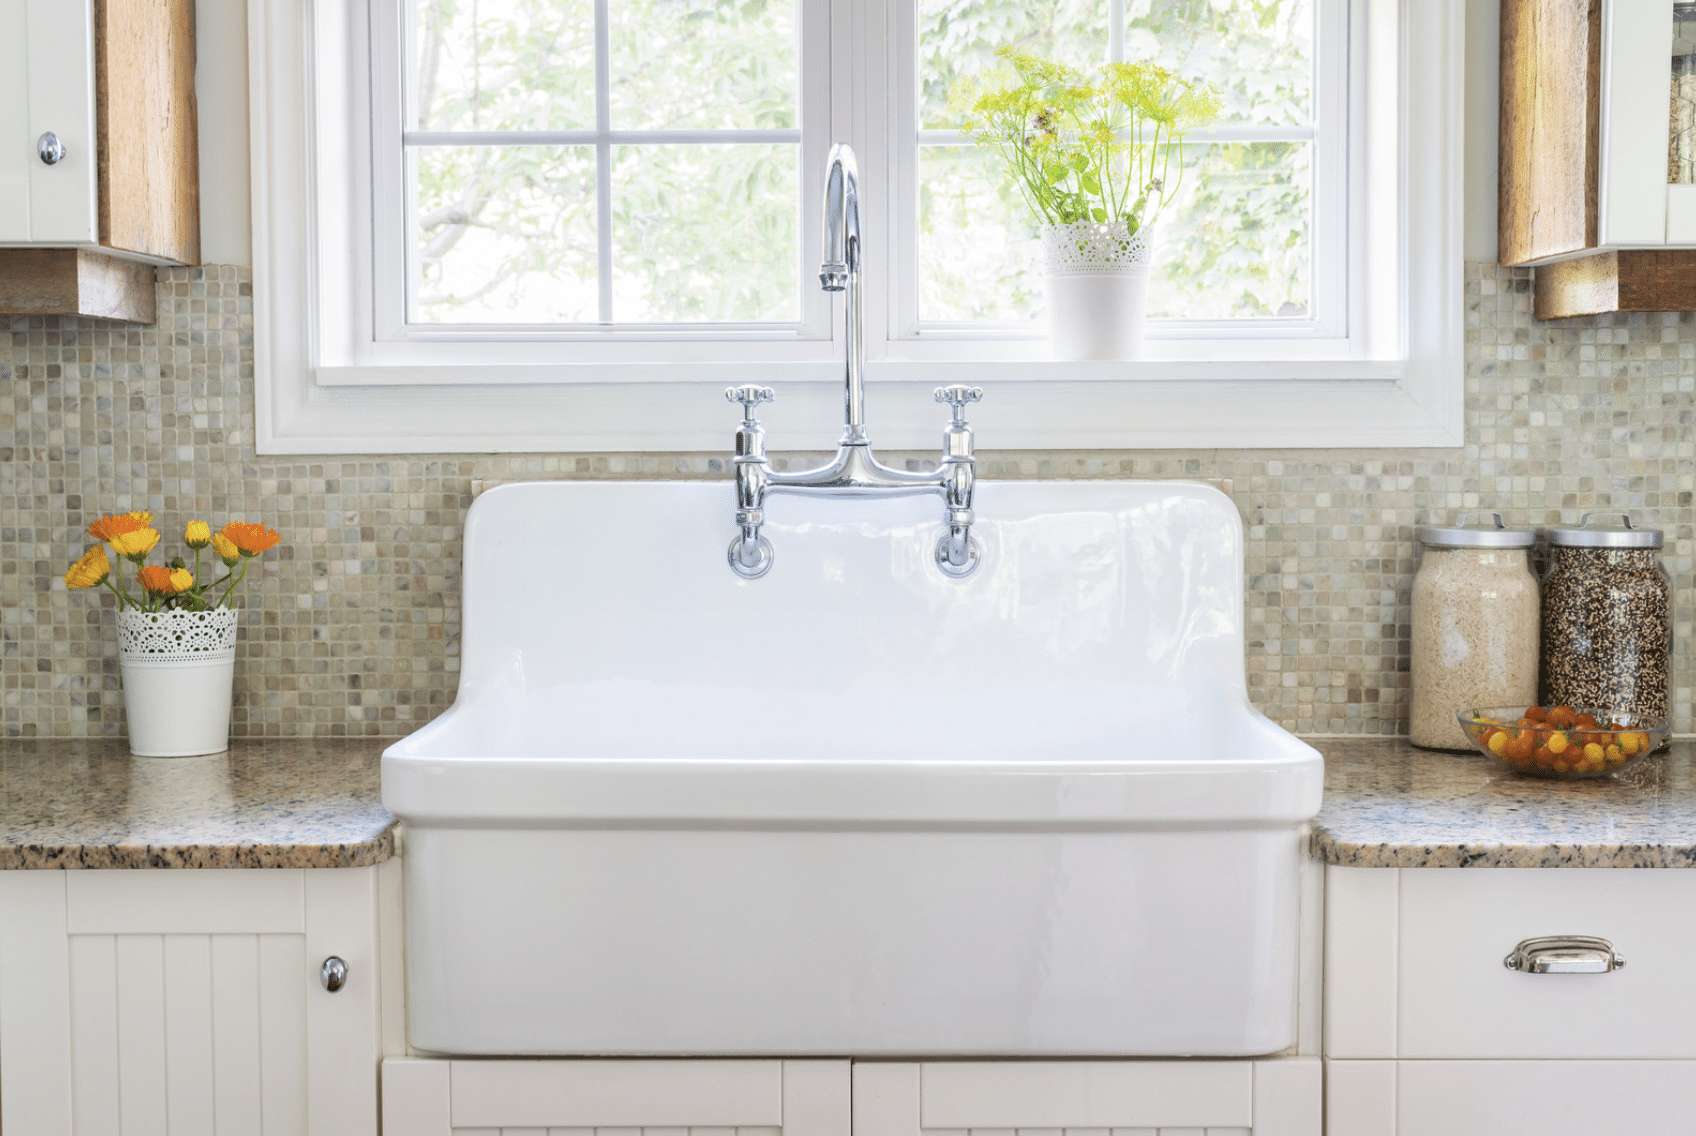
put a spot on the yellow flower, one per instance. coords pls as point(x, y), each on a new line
point(181, 579)
point(135, 545)
point(116, 524)
point(227, 551)
point(250, 539)
point(90, 570)
point(198, 535)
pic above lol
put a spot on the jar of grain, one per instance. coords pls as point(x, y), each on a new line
point(1607, 617)
point(1474, 626)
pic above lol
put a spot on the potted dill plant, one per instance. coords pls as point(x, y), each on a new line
point(1096, 158)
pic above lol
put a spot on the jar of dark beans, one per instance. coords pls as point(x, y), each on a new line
point(1607, 617)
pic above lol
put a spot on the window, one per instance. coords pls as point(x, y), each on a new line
point(562, 224)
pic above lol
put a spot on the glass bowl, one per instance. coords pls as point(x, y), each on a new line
point(1557, 742)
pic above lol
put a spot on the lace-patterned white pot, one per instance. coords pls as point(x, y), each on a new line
point(179, 672)
point(1097, 277)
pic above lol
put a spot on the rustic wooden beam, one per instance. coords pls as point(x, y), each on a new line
point(76, 282)
point(1550, 142)
point(1631, 280)
point(149, 168)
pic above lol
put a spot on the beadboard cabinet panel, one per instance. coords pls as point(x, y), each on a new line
point(186, 1003)
point(615, 1097)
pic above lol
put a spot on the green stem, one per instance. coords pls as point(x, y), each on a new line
point(225, 602)
point(123, 600)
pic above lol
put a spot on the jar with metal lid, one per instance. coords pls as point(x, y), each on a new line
point(1607, 617)
point(1475, 626)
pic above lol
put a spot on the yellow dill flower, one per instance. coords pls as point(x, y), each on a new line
point(90, 570)
point(198, 535)
point(226, 549)
point(135, 545)
point(181, 579)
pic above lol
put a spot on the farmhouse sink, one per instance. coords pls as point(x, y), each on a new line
point(855, 806)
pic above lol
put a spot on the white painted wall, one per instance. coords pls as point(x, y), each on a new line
point(221, 87)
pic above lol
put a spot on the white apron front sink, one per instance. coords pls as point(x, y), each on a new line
point(856, 806)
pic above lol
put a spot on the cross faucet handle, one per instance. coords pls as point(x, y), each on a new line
point(749, 397)
point(959, 398)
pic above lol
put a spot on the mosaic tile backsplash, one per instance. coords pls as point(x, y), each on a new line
point(353, 628)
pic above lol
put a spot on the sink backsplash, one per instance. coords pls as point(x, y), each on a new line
point(354, 628)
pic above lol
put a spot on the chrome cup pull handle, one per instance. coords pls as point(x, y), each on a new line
point(1564, 954)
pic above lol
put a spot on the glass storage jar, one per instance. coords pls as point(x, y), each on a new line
point(1607, 617)
point(1474, 626)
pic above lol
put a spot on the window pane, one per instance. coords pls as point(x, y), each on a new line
point(503, 65)
point(705, 233)
point(1259, 52)
point(505, 234)
point(979, 258)
point(1234, 244)
point(959, 37)
point(703, 64)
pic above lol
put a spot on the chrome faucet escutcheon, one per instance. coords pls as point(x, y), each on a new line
point(854, 471)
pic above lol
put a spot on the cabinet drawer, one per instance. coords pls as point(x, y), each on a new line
point(1543, 1098)
point(1455, 998)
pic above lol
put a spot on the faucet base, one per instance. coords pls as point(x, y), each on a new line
point(750, 561)
point(949, 568)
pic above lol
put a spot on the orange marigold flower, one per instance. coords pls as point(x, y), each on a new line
point(117, 524)
point(136, 544)
point(181, 579)
point(156, 578)
point(227, 552)
point(92, 568)
point(251, 539)
point(198, 535)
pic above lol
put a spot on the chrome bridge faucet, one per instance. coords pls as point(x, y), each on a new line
point(854, 471)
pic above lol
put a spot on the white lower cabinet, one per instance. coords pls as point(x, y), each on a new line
point(188, 1002)
point(444, 1097)
point(1427, 1033)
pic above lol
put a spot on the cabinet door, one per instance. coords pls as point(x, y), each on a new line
point(1509, 1098)
point(1276, 1097)
point(615, 1097)
point(47, 84)
point(187, 1002)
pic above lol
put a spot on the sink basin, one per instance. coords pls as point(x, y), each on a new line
point(855, 807)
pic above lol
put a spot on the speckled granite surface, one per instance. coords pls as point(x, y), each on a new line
point(1389, 805)
point(297, 803)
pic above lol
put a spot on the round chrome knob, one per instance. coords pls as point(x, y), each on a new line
point(52, 150)
point(333, 974)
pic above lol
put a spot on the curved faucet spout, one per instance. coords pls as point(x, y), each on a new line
point(841, 219)
point(840, 272)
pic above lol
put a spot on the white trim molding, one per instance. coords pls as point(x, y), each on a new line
point(1405, 390)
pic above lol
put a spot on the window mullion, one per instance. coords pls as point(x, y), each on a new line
point(603, 158)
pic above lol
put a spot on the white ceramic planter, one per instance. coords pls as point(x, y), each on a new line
point(1097, 278)
point(179, 672)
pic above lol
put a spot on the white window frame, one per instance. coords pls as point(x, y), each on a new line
point(320, 388)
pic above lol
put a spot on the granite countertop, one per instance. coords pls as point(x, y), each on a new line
point(1389, 805)
point(285, 803)
point(310, 803)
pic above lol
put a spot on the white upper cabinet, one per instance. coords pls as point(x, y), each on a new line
point(47, 86)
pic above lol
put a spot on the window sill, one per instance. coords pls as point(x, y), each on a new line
point(1026, 406)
